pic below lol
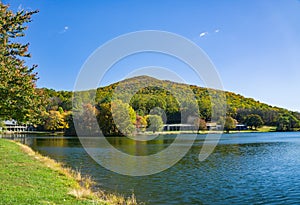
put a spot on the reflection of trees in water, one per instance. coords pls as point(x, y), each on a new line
point(139, 147)
point(232, 149)
point(53, 142)
point(22, 138)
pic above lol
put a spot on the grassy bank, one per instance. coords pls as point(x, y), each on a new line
point(261, 129)
point(27, 177)
point(267, 129)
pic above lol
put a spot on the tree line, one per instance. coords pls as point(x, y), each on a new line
point(151, 107)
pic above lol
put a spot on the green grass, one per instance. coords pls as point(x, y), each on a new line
point(26, 180)
point(266, 129)
point(26, 177)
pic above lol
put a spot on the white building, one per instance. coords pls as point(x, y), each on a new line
point(13, 126)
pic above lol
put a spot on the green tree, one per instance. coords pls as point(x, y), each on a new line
point(105, 119)
point(287, 122)
point(124, 117)
point(2, 125)
point(116, 118)
point(294, 122)
point(254, 120)
point(18, 95)
point(60, 110)
point(205, 108)
point(70, 130)
point(283, 123)
point(155, 123)
point(189, 109)
point(230, 124)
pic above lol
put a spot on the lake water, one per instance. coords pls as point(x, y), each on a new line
point(245, 168)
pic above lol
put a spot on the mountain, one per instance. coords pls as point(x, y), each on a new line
point(237, 105)
point(143, 93)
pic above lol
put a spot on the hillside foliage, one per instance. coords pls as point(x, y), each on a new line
point(169, 101)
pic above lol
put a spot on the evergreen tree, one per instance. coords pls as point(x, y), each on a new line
point(18, 95)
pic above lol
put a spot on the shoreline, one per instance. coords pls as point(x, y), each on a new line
point(23, 169)
point(263, 129)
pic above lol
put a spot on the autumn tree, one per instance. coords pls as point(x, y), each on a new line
point(230, 124)
point(141, 123)
point(56, 121)
point(200, 124)
point(17, 80)
point(85, 120)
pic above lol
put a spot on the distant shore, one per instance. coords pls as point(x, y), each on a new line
point(258, 130)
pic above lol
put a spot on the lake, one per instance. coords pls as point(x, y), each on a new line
point(245, 168)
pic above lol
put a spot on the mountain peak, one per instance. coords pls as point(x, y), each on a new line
point(140, 78)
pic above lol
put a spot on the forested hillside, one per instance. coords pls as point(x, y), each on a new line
point(172, 102)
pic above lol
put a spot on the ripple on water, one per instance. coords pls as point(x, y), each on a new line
point(248, 168)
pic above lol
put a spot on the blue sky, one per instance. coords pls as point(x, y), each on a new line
point(255, 45)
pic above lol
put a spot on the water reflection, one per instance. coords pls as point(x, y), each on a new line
point(140, 148)
point(244, 169)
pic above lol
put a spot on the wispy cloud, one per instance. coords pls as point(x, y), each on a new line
point(66, 28)
point(20, 7)
point(203, 34)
